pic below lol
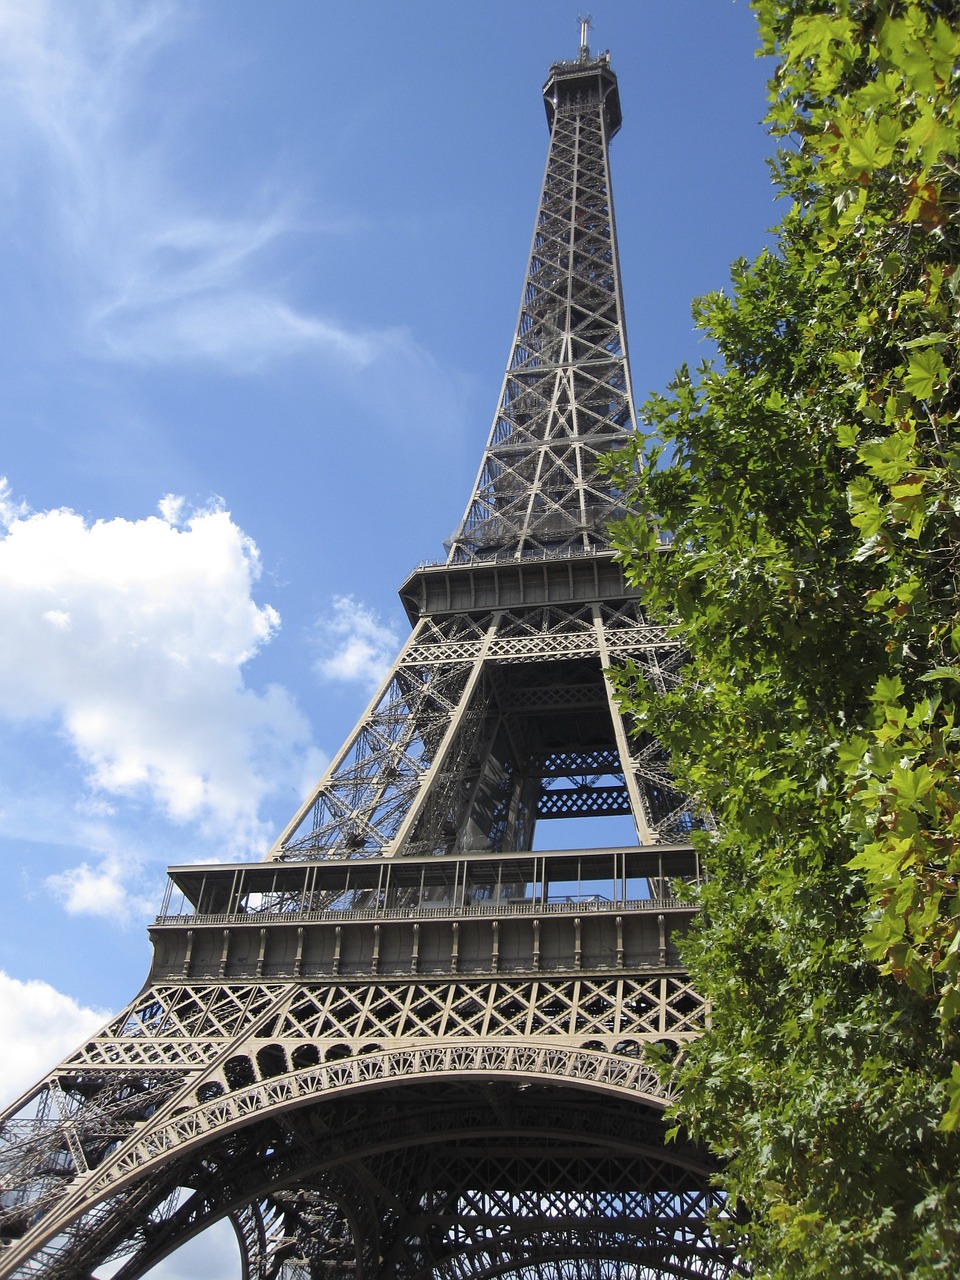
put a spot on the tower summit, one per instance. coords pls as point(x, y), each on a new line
point(410, 1044)
point(565, 399)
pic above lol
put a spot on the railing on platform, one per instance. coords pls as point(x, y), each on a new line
point(434, 912)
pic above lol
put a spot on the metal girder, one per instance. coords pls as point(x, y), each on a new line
point(566, 397)
point(251, 1051)
point(408, 1177)
point(407, 781)
point(435, 1068)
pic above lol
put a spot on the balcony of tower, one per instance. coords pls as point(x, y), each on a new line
point(475, 913)
point(572, 577)
point(583, 82)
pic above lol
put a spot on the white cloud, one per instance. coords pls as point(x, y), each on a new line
point(131, 637)
point(40, 1027)
point(354, 644)
point(171, 507)
point(213, 1254)
point(234, 326)
point(103, 890)
point(10, 509)
point(158, 277)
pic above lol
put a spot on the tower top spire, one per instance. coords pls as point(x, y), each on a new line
point(566, 397)
point(586, 23)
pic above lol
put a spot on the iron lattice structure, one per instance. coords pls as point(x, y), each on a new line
point(407, 1044)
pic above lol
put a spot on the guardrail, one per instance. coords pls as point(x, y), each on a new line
point(472, 911)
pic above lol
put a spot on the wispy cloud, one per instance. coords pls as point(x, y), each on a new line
point(159, 275)
point(354, 644)
point(240, 328)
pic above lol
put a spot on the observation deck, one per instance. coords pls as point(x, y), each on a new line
point(555, 911)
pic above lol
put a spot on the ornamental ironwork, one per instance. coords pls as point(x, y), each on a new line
point(414, 1041)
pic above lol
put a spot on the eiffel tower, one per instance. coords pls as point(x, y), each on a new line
point(407, 1043)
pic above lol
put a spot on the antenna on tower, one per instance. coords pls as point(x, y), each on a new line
point(585, 25)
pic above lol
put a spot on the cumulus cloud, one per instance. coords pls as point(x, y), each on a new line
point(131, 636)
point(40, 1027)
point(101, 890)
point(354, 644)
point(159, 275)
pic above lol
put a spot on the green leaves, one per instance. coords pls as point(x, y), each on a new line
point(925, 54)
point(812, 503)
point(926, 372)
point(822, 36)
point(891, 456)
point(869, 146)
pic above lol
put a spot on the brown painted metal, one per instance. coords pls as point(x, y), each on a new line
point(406, 1044)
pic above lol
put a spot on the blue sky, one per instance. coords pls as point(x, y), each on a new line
point(262, 264)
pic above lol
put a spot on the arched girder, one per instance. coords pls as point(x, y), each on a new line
point(179, 1127)
point(356, 1145)
point(581, 1267)
point(605, 1235)
point(626, 1260)
point(184, 1125)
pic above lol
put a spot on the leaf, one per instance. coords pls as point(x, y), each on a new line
point(941, 673)
point(910, 488)
point(890, 457)
point(813, 37)
point(851, 752)
point(870, 146)
point(888, 690)
point(923, 205)
point(926, 372)
point(931, 138)
point(927, 340)
point(846, 361)
point(865, 510)
point(944, 48)
point(911, 785)
point(951, 1117)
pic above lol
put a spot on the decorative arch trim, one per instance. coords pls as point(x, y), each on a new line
point(175, 1133)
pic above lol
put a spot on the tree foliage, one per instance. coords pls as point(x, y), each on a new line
point(796, 513)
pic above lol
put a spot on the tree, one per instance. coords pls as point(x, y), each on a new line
point(795, 512)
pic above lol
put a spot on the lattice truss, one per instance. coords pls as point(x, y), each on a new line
point(459, 749)
point(566, 397)
point(463, 1128)
point(554, 1213)
point(185, 1063)
point(437, 1175)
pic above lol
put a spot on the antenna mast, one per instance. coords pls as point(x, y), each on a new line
point(585, 25)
